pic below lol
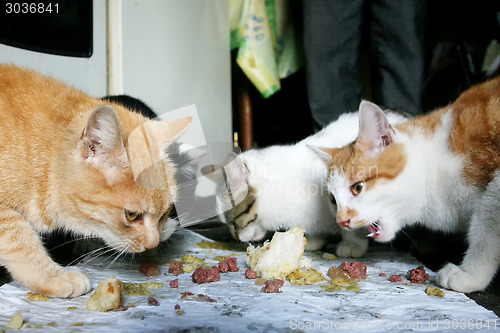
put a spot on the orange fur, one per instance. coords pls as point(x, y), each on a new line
point(474, 135)
point(475, 132)
point(47, 181)
point(353, 162)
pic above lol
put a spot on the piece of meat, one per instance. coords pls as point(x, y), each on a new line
point(233, 264)
point(174, 283)
point(153, 301)
point(176, 267)
point(206, 275)
point(230, 264)
point(223, 266)
point(189, 296)
point(273, 286)
point(249, 274)
point(356, 270)
point(395, 278)
point(150, 269)
point(418, 275)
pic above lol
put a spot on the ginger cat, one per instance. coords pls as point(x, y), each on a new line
point(441, 170)
point(75, 163)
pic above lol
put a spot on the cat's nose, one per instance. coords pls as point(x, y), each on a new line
point(345, 224)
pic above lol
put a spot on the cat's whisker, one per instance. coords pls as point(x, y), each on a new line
point(74, 240)
point(409, 237)
point(121, 253)
point(93, 255)
point(82, 257)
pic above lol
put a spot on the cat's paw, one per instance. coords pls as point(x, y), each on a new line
point(453, 277)
point(66, 284)
point(347, 249)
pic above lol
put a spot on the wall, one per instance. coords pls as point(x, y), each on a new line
point(176, 53)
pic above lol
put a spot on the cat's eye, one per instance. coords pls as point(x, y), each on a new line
point(357, 188)
point(133, 216)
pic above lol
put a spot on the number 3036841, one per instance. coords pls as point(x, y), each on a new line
point(31, 8)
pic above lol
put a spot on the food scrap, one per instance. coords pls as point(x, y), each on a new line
point(223, 266)
point(340, 280)
point(16, 322)
point(176, 267)
point(273, 286)
point(329, 256)
point(192, 260)
point(174, 283)
point(188, 296)
point(153, 301)
point(249, 274)
point(395, 278)
point(206, 275)
point(213, 245)
point(150, 269)
point(228, 264)
point(107, 296)
point(140, 289)
point(436, 292)
point(305, 275)
point(356, 270)
point(418, 275)
point(34, 297)
point(279, 257)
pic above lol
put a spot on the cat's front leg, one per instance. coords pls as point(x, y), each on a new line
point(26, 259)
point(482, 259)
point(354, 244)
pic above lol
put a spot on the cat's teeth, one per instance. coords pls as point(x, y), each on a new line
point(371, 234)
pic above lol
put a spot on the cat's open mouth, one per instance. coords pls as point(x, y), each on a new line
point(374, 230)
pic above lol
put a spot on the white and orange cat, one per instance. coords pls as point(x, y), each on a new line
point(281, 187)
point(70, 162)
point(441, 170)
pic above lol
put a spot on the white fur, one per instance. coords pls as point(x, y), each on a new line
point(431, 191)
point(291, 187)
point(421, 193)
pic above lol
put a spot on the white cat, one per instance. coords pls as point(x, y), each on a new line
point(281, 187)
point(441, 170)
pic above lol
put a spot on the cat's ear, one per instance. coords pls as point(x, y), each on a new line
point(375, 132)
point(162, 133)
point(325, 154)
point(101, 142)
point(147, 148)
